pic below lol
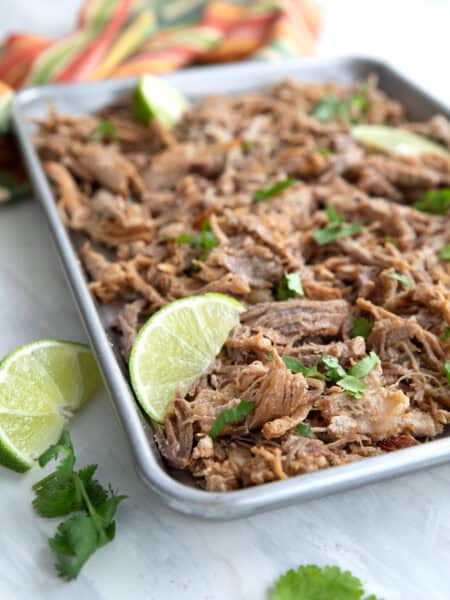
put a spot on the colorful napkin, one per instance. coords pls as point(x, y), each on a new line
point(120, 38)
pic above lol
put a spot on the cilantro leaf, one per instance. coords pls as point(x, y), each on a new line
point(329, 108)
point(444, 254)
point(335, 229)
point(352, 385)
point(74, 542)
point(105, 130)
point(311, 582)
point(205, 239)
point(436, 202)
point(65, 447)
point(402, 278)
point(446, 335)
point(447, 370)
point(290, 286)
point(333, 369)
point(363, 367)
point(361, 327)
point(231, 415)
point(350, 110)
point(305, 430)
point(273, 190)
point(295, 366)
point(333, 217)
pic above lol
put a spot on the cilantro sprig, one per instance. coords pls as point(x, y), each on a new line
point(310, 582)
point(66, 491)
point(231, 415)
point(273, 190)
point(290, 287)
point(436, 202)
point(335, 229)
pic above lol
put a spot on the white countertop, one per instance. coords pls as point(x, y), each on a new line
point(394, 535)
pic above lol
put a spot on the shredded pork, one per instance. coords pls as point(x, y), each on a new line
point(137, 198)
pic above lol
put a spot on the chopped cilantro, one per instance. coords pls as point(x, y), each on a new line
point(436, 202)
point(311, 582)
point(274, 190)
point(402, 278)
point(305, 430)
point(352, 385)
point(330, 107)
point(447, 370)
point(231, 415)
point(363, 367)
point(290, 286)
point(446, 335)
point(361, 327)
point(205, 239)
point(351, 382)
point(295, 366)
point(444, 254)
point(105, 130)
point(335, 229)
point(350, 110)
point(333, 368)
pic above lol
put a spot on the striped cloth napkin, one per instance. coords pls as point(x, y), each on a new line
point(120, 38)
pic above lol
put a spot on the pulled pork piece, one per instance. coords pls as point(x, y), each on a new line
point(295, 320)
point(107, 166)
point(127, 323)
point(403, 341)
point(230, 200)
point(113, 220)
point(277, 393)
point(378, 414)
point(175, 440)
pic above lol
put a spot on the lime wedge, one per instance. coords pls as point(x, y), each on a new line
point(41, 384)
point(176, 345)
point(155, 97)
point(396, 141)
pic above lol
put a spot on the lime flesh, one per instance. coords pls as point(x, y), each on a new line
point(177, 345)
point(155, 97)
point(41, 384)
point(396, 141)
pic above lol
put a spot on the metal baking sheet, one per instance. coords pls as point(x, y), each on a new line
point(195, 83)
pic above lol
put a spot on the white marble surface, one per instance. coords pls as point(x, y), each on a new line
point(394, 535)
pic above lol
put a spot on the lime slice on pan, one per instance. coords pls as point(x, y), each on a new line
point(396, 141)
point(176, 345)
point(155, 97)
point(41, 384)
